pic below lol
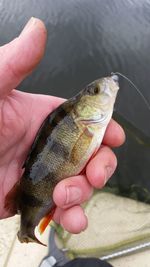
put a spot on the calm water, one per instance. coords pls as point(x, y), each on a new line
point(88, 39)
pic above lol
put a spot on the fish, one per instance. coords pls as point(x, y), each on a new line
point(64, 144)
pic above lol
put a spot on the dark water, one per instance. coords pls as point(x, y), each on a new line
point(88, 39)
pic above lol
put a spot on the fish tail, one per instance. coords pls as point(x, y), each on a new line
point(26, 238)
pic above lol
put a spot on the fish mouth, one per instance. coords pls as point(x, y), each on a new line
point(115, 77)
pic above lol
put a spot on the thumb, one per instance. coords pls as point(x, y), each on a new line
point(20, 56)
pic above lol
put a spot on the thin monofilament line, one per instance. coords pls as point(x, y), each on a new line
point(136, 88)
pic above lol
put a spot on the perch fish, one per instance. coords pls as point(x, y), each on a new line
point(67, 139)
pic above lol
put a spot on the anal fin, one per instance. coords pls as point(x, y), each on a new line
point(46, 220)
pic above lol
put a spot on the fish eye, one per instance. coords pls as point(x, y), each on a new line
point(96, 90)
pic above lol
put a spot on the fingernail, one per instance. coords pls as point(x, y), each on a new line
point(108, 173)
point(32, 21)
point(73, 195)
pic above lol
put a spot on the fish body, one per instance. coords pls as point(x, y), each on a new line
point(67, 139)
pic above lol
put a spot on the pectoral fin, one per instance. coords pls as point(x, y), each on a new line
point(81, 146)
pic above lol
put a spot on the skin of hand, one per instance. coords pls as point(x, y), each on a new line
point(21, 115)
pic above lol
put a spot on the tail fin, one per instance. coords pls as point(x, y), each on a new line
point(26, 238)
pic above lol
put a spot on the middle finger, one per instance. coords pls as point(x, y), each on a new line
point(72, 191)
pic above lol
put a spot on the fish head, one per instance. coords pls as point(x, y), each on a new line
point(96, 101)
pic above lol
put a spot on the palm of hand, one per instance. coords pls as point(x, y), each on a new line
point(21, 115)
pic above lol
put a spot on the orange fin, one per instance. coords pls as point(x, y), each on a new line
point(12, 199)
point(46, 220)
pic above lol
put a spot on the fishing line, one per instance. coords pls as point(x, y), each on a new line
point(136, 88)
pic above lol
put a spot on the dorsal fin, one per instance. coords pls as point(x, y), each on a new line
point(12, 199)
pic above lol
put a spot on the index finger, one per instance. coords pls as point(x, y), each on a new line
point(114, 135)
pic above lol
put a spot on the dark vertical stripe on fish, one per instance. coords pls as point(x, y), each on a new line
point(46, 129)
point(30, 200)
point(58, 115)
point(59, 149)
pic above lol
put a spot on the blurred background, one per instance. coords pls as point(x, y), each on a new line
point(88, 39)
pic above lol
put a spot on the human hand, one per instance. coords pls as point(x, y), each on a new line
point(21, 115)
